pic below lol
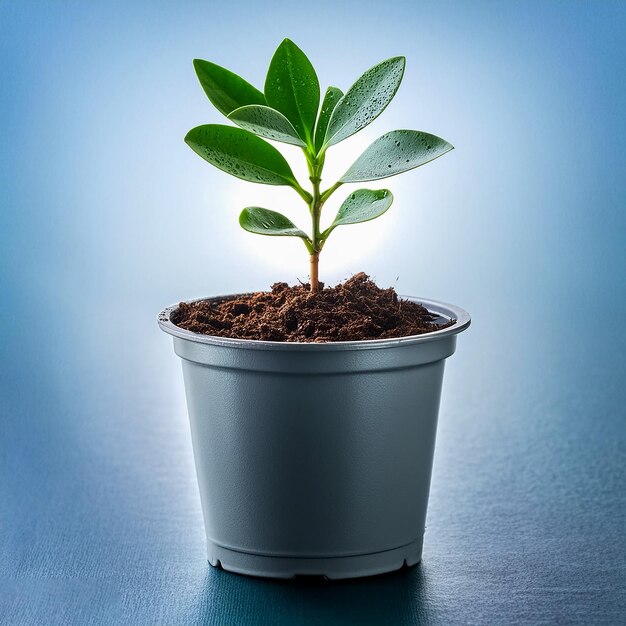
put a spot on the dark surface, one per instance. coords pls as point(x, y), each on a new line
point(101, 520)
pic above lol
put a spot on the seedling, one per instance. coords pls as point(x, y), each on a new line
point(289, 112)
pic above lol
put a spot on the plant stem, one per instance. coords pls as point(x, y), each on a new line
point(330, 191)
point(315, 282)
point(315, 206)
point(305, 195)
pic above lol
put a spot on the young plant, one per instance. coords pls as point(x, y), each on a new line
point(290, 112)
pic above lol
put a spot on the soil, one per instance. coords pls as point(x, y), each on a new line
point(353, 310)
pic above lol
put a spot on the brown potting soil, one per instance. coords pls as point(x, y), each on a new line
point(353, 310)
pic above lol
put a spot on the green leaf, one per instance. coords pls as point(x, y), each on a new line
point(362, 205)
point(261, 221)
point(241, 154)
point(394, 153)
point(266, 122)
point(292, 88)
point(333, 95)
point(365, 100)
point(226, 90)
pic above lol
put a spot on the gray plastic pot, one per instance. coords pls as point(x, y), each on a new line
point(314, 458)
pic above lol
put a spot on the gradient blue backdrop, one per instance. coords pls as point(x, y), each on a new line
point(106, 217)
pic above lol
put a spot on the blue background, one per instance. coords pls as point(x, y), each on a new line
point(107, 217)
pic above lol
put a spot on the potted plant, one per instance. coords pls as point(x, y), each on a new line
point(313, 410)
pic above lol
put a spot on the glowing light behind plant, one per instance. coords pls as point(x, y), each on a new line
point(348, 248)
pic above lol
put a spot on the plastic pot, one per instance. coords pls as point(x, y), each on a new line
point(314, 458)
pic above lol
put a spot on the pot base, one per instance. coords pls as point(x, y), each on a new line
point(333, 568)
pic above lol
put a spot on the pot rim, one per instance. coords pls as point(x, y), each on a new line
point(461, 319)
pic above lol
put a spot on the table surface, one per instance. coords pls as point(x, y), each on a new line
point(101, 520)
